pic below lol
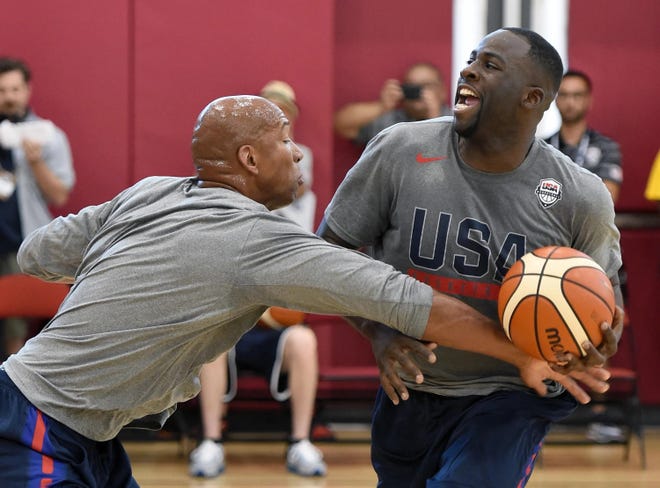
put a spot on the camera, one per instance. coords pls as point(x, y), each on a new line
point(411, 91)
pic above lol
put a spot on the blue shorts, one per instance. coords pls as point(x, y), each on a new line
point(38, 451)
point(257, 350)
point(260, 350)
point(434, 441)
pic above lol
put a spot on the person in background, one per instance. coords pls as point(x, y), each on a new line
point(585, 146)
point(281, 348)
point(600, 155)
point(36, 172)
point(421, 96)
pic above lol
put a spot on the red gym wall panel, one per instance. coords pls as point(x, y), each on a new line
point(187, 54)
point(640, 253)
point(78, 52)
point(617, 44)
point(373, 44)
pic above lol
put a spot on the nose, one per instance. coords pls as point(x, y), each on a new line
point(469, 72)
point(297, 153)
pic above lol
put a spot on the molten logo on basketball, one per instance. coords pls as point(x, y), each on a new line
point(554, 340)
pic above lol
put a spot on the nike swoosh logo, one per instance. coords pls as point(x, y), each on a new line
point(422, 160)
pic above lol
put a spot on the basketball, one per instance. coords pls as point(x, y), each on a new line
point(278, 317)
point(553, 300)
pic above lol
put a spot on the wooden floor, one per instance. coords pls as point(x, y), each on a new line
point(161, 464)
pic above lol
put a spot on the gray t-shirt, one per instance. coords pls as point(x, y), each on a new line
point(166, 276)
point(412, 200)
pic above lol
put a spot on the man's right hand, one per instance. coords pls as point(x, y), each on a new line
point(391, 95)
point(396, 355)
point(535, 371)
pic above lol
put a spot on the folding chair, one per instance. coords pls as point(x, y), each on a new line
point(620, 405)
point(29, 297)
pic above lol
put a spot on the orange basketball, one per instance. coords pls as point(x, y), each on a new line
point(553, 300)
point(278, 317)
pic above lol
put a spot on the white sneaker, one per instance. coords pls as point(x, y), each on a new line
point(603, 433)
point(304, 459)
point(207, 460)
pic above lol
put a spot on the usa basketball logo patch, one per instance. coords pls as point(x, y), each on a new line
point(548, 192)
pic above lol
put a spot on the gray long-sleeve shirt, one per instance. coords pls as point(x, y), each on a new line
point(166, 276)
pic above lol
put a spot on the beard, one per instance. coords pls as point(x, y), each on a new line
point(11, 114)
point(468, 128)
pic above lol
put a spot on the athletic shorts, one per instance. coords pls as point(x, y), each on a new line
point(260, 351)
point(38, 451)
point(433, 441)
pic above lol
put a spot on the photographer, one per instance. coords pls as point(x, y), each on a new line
point(422, 95)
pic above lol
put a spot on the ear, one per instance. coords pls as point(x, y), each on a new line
point(246, 158)
point(536, 98)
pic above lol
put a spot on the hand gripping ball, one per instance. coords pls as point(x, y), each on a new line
point(553, 300)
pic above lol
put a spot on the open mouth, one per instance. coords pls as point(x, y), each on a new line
point(466, 98)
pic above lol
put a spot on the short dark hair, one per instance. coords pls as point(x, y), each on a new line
point(579, 74)
point(12, 64)
point(543, 53)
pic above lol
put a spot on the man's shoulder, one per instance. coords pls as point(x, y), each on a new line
point(33, 117)
point(551, 138)
point(401, 136)
point(554, 158)
point(442, 124)
point(599, 139)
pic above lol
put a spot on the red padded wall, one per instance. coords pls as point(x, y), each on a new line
point(186, 57)
point(78, 52)
point(642, 257)
point(618, 44)
point(373, 44)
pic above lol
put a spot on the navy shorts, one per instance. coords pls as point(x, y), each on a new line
point(257, 350)
point(260, 350)
point(38, 451)
point(433, 441)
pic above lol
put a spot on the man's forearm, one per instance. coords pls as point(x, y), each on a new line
point(455, 324)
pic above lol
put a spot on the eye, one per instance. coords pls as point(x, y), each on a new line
point(490, 65)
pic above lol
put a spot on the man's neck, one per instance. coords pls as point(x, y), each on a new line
point(571, 133)
point(496, 156)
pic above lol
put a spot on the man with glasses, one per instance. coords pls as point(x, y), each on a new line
point(588, 148)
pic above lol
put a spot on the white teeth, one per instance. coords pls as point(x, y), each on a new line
point(466, 92)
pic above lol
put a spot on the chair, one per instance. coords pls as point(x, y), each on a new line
point(624, 393)
point(620, 405)
point(29, 297)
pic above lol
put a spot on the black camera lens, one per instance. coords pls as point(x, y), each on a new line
point(411, 91)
